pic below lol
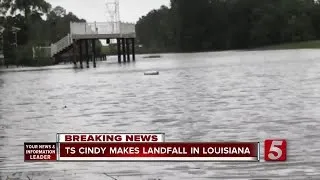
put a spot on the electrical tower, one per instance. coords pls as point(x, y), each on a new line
point(113, 15)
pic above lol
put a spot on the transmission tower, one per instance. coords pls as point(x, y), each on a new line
point(113, 15)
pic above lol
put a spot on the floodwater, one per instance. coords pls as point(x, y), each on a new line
point(219, 96)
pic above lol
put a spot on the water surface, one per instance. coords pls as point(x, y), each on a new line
point(220, 96)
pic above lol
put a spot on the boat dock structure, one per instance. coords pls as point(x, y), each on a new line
point(84, 35)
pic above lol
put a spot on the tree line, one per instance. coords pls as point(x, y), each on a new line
point(206, 25)
point(39, 24)
point(185, 26)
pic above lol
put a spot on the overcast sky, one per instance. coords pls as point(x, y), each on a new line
point(96, 10)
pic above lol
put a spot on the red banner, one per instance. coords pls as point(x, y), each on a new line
point(169, 151)
point(40, 151)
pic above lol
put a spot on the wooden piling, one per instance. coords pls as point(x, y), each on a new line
point(124, 50)
point(119, 50)
point(94, 53)
point(133, 49)
point(80, 53)
point(87, 52)
point(128, 49)
point(74, 53)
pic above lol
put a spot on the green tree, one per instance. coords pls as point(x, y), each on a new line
point(25, 6)
point(231, 24)
point(35, 31)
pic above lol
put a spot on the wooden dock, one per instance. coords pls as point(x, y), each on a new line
point(83, 36)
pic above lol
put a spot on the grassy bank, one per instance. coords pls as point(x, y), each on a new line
point(296, 45)
point(112, 50)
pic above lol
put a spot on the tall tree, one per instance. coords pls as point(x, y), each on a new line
point(59, 11)
point(35, 31)
point(230, 24)
point(25, 6)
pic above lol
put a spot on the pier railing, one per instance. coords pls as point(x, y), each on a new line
point(61, 44)
point(84, 28)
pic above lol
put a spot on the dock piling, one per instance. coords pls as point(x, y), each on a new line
point(94, 53)
point(128, 49)
point(74, 53)
point(133, 49)
point(80, 54)
point(124, 50)
point(87, 52)
point(119, 50)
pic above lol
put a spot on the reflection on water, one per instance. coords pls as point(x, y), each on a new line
point(225, 96)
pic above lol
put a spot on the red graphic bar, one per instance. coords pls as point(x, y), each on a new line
point(40, 151)
point(167, 151)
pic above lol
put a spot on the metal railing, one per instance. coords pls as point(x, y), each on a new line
point(83, 28)
point(61, 44)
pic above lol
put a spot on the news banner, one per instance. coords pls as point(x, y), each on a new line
point(148, 147)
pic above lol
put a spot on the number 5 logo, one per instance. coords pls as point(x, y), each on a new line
point(275, 150)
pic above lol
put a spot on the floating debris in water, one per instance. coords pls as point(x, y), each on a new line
point(151, 73)
point(152, 56)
